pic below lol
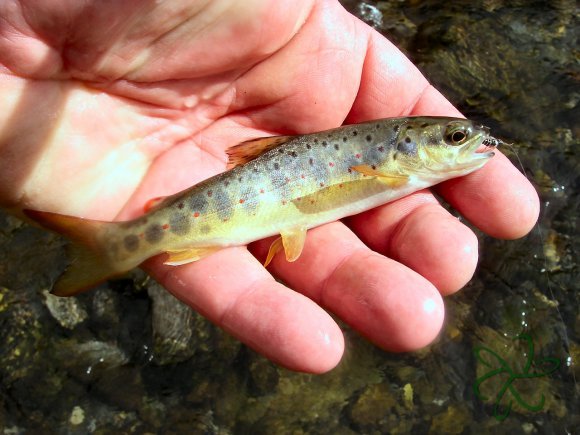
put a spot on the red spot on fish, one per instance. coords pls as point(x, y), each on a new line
point(321, 184)
point(141, 235)
point(349, 170)
point(287, 180)
point(302, 176)
point(209, 193)
point(283, 202)
point(196, 214)
point(165, 227)
point(357, 155)
point(340, 185)
point(311, 201)
point(331, 164)
point(261, 190)
point(242, 201)
point(298, 199)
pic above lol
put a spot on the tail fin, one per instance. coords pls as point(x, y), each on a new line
point(88, 264)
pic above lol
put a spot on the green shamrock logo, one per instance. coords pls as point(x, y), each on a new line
point(498, 366)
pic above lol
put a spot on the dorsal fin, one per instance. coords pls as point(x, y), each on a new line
point(250, 149)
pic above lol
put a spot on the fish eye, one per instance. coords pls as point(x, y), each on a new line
point(456, 135)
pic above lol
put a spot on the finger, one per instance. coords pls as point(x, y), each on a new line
point(390, 304)
point(318, 71)
point(421, 234)
point(235, 292)
point(498, 199)
point(392, 86)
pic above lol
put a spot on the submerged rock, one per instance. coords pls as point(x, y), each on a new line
point(173, 325)
point(68, 312)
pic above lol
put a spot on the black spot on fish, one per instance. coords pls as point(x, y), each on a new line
point(310, 146)
point(197, 203)
point(311, 161)
point(226, 183)
point(396, 128)
point(293, 154)
point(344, 139)
point(222, 204)
point(131, 242)
point(336, 147)
point(369, 138)
point(255, 169)
point(373, 167)
point(154, 233)
point(408, 139)
point(179, 224)
point(315, 140)
point(424, 125)
point(276, 166)
point(381, 149)
point(281, 150)
point(324, 143)
point(240, 179)
point(354, 133)
point(409, 148)
point(180, 205)
point(377, 126)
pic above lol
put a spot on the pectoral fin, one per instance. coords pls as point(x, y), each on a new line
point(393, 180)
point(292, 241)
point(184, 256)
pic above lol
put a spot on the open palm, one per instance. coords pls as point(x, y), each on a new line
point(109, 105)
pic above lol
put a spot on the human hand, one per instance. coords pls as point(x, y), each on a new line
point(108, 106)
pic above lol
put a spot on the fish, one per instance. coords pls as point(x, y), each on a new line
point(280, 185)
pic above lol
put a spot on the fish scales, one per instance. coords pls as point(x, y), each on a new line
point(256, 197)
point(287, 185)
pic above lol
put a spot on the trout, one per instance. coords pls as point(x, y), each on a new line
point(280, 185)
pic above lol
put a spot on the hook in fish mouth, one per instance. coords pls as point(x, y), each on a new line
point(492, 142)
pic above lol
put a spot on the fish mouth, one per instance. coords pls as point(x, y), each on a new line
point(473, 154)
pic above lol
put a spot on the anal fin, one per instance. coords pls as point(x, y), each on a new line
point(189, 255)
